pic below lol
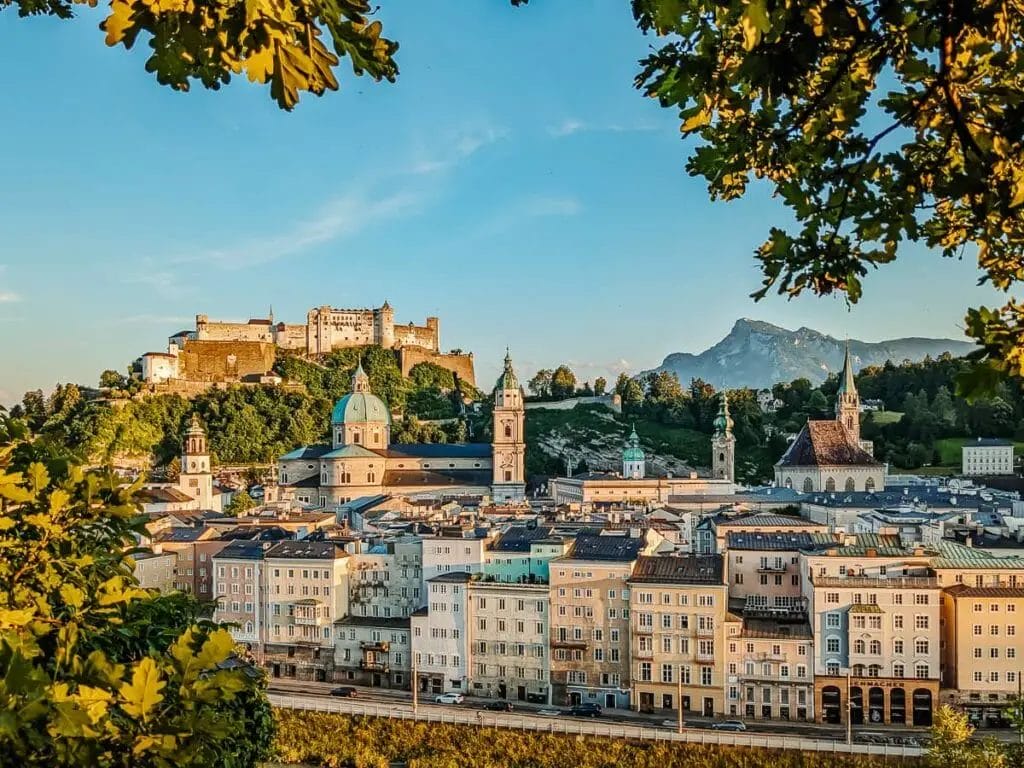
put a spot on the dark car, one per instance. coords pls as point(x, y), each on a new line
point(345, 691)
point(586, 710)
point(499, 706)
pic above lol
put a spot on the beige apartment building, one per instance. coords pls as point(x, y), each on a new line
point(590, 661)
point(239, 584)
point(509, 656)
point(307, 592)
point(678, 610)
point(769, 669)
point(875, 613)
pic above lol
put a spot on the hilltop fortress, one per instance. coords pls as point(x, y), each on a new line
point(222, 352)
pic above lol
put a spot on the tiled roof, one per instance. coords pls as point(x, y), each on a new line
point(178, 534)
point(615, 548)
point(257, 533)
point(242, 550)
point(771, 542)
point(307, 452)
point(883, 545)
point(767, 519)
point(160, 496)
point(414, 477)
point(306, 550)
point(352, 452)
point(953, 555)
point(373, 621)
point(988, 442)
point(686, 569)
point(825, 443)
point(962, 590)
point(518, 538)
point(439, 451)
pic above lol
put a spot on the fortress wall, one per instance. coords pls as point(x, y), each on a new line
point(460, 364)
point(291, 337)
point(212, 361)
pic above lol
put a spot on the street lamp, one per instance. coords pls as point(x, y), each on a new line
point(849, 705)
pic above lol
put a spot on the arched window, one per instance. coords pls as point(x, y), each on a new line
point(248, 627)
point(874, 670)
point(808, 485)
point(869, 485)
point(830, 485)
point(721, 457)
point(850, 485)
point(508, 430)
point(858, 646)
point(789, 483)
point(857, 670)
point(875, 648)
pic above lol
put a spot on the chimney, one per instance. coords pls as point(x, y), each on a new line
point(871, 552)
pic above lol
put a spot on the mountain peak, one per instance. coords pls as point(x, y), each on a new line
point(759, 354)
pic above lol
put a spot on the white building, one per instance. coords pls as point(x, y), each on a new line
point(439, 636)
point(988, 456)
point(461, 553)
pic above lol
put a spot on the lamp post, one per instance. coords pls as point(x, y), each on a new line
point(849, 706)
point(415, 685)
point(679, 698)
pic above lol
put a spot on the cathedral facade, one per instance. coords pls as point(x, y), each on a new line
point(361, 460)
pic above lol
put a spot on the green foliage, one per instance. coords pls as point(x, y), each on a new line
point(240, 503)
point(879, 124)
point(95, 670)
point(334, 741)
point(563, 382)
point(293, 45)
point(600, 386)
point(951, 745)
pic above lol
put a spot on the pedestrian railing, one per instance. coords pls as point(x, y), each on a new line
point(431, 713)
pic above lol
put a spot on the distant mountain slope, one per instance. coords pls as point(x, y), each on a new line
point(759, 354)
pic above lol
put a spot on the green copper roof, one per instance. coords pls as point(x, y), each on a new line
point(361, 405)
point(723, 421)
point(633, 451)
point(508, 379)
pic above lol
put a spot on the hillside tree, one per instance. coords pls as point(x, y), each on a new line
point(563, 382)
point(540, 384)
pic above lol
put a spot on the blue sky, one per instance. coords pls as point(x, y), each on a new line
point(512, 182)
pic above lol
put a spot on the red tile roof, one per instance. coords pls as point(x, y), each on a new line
point(826, 443)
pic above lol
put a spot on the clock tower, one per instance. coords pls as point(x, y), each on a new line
point(196, 478)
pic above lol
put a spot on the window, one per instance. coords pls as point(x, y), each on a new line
point(921, 670)
point(832, 620)
point(921, 647)
point(645, 671)
point(666, 673)
point(832, 645)
point(920, 621)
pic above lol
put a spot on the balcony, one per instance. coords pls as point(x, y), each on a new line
point(772, 568)
point(877, 582)
point(375, 645)
point(643, 629)
point(567, 643)
point(643, 653)
point(704, 656)
point(374, 665)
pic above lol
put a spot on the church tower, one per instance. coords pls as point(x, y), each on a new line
point(196, 478)
point(848, 401)
point(509, 441)
point(723, 444)
point(633, 458)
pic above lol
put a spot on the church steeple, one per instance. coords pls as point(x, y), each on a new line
point(723, 443)
point(509, 446)
point(847, 399)
point(360, 381)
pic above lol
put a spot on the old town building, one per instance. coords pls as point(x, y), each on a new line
point(677, 623)
point(590, 661)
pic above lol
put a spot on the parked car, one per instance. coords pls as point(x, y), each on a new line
point(586, 710)
point(729, 725)
point(499, 706)
point(449, 698)
point(345, 692)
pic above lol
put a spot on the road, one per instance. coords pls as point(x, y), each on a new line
point(377, 702)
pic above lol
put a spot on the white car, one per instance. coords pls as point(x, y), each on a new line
point(449, 698)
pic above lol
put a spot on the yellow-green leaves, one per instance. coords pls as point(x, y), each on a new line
point(142, 694)
point(754, 23)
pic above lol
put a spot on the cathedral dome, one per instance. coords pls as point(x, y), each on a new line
point(360, 406)
point(633, 451)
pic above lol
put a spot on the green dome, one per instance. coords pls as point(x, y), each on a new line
point(360, 406)
point(508, 379)
point(723, 421)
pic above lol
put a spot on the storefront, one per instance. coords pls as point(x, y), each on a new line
point(876, 700)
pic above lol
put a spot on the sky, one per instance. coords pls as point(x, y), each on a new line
point(512, 183)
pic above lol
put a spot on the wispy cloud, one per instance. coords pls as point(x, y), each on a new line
point(572, 125)
point(458, 146)
point(341, 217)
point(7, 296)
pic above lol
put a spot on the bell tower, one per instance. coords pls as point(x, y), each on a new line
point(196, 478)
point(847, 400)
point(723, 444)
point(509, 441)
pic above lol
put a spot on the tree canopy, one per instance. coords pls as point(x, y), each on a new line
point(96, 670)
point(879, 124)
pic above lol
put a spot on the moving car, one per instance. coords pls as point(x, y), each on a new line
point(586, 710)
point(499, 706)
point(449, 698)
point(345, 691)
point(729, 725)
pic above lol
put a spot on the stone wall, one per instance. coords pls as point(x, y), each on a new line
point(427, 336)
point(462, 365)
point(216, 330)
point(214, 361)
